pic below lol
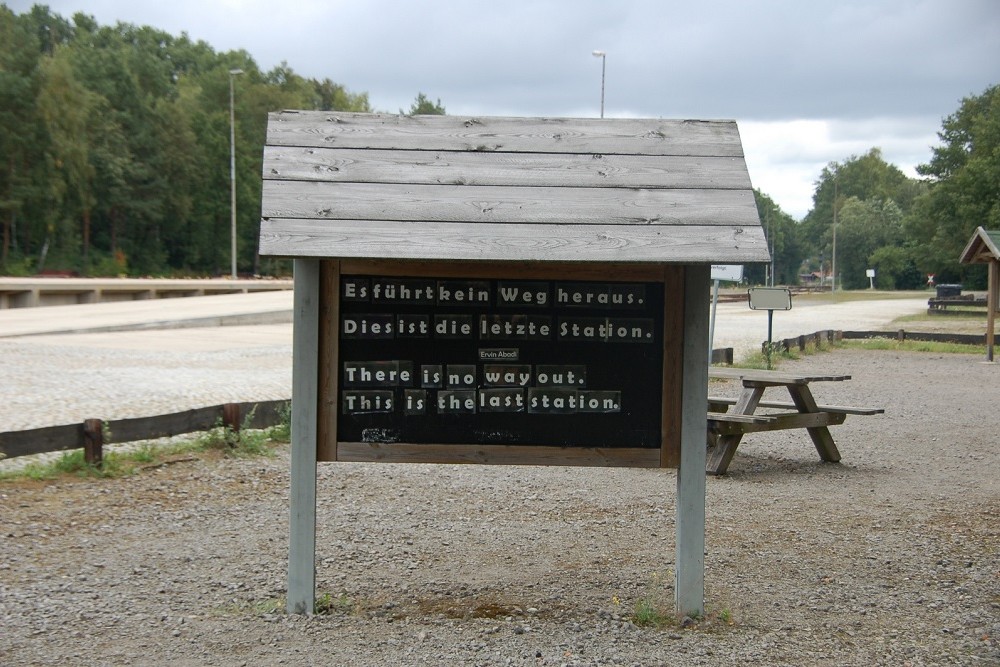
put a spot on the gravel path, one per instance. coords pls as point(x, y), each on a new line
point(64, 379)
point(890, 558)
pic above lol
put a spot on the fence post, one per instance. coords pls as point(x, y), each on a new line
point(93, 442)
point(231, 416)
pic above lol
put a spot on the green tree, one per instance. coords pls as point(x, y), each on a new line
point(19, 54)
point(335, 97)
point(783, 240)
point(864, 178)
point(863, 228)
point(964, 178)
point(114, 146)
point(422, 106)
point(895, 269)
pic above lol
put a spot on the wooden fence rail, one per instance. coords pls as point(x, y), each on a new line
point(901, 335)
point(829, 336)
point(93, 434)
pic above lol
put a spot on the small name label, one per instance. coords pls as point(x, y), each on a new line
point(499, 354)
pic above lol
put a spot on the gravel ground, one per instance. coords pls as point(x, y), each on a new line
point(891, 557)
point(65, 379)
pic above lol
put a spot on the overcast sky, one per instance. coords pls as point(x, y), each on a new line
point(808, 81)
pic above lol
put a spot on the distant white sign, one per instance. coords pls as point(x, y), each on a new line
point(730, 272)
point(769, 298)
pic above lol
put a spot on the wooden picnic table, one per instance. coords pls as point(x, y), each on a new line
point(726, 428)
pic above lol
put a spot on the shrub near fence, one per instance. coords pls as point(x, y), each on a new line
point(93, 434)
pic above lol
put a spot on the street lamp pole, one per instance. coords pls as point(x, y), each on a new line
point(833, 268)
point(603, 56)
point(232, 171)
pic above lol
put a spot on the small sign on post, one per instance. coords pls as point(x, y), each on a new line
point(732, 273)
point(769, 299)
point(870, 273)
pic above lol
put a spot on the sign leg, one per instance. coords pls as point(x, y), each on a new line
point(690, 559)
point(302, 497)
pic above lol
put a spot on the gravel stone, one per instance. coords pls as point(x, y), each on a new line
point(890, 557)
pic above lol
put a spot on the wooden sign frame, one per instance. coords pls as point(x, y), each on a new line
point(330, 448)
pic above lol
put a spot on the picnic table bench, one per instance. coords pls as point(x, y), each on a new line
point(726, 428)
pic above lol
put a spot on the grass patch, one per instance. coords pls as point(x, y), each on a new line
point(847, 296)
point(245, 443)
point(73, 464)
point(894, 345)
point(656, 611)
point(762, 361)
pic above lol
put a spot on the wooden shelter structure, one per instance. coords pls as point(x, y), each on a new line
point(427, 246)
point(984, 248)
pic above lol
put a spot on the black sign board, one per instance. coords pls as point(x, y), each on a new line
point(454, 361)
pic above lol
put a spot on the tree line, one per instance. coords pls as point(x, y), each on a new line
point(904, 229)
point(114, 160)
point(115, 147)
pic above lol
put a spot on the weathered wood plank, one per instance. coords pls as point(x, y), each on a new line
point(521, 271)
point(514, 243)
point(257, 414)
point(329, 355)
point(734, 418)
point(731, 424)
point(41, 440)
point(788, 405)
point(486, 204)
point(506, 169)
point(462, 133)
point(672, 376)
point(748, 375)
point(163, 426)
point(498, 454)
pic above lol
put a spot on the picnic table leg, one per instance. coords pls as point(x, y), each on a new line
point(721, 455)
point(820, 435)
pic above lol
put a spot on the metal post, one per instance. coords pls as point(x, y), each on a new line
point(833, 262)
point(305, 383)
point(232, 172)
point(992, 298)
point(711, 320)
point(770, 328)
point(603, 56)
point(689, 578)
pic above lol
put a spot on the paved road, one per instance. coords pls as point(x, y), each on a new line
point(204, 353)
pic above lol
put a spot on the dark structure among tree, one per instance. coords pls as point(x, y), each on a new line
point(984, 248)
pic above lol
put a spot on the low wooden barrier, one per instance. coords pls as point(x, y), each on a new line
point(93, 434)
point(901, 335)
point(830, 336)
point(800, 342)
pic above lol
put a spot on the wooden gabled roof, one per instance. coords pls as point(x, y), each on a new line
point(983, 247)
point(377, 186)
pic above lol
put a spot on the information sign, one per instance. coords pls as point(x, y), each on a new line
point(428, 360)
point(769, 298)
